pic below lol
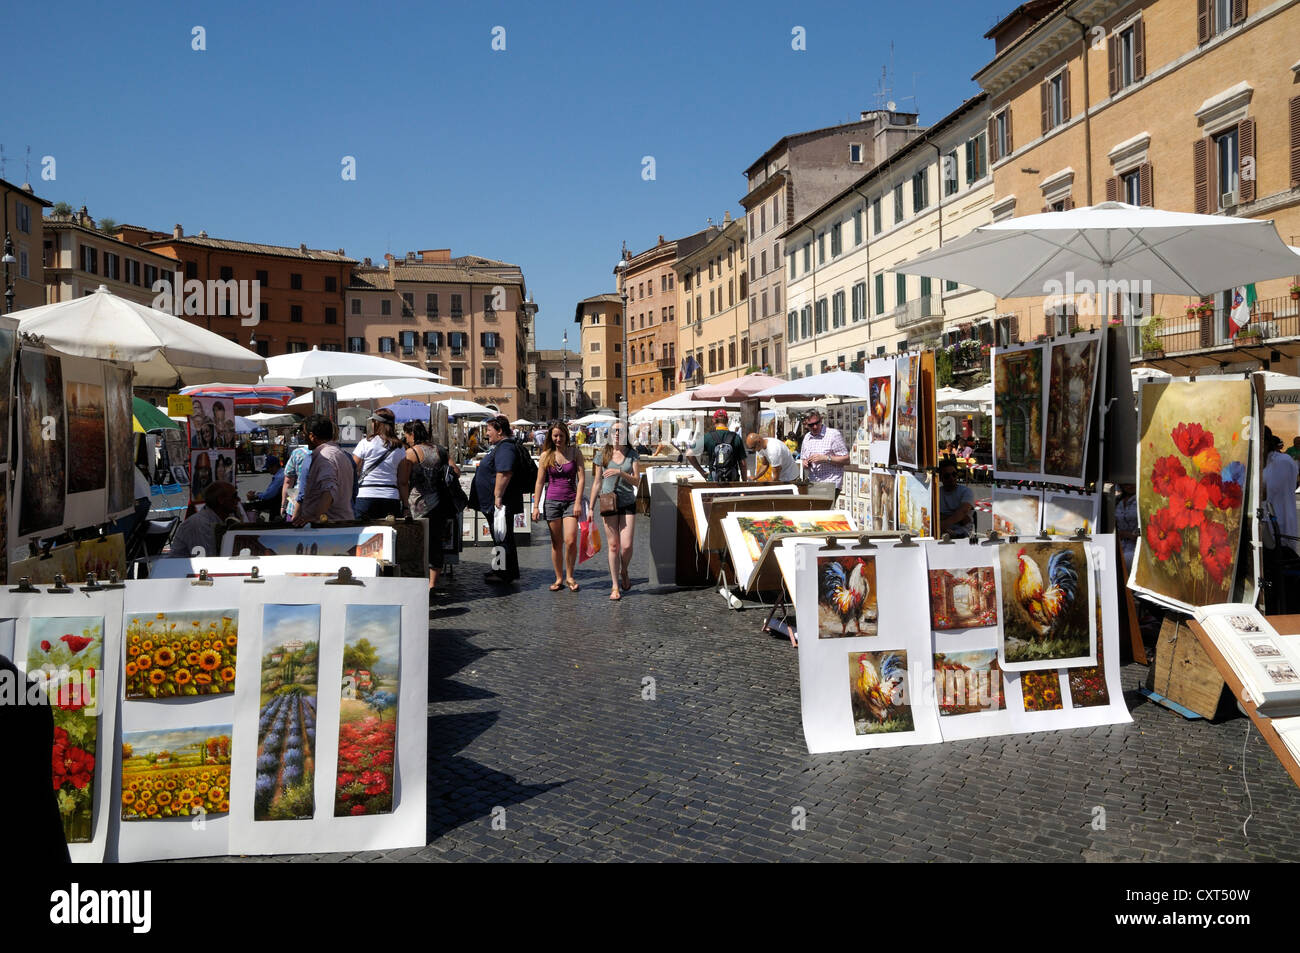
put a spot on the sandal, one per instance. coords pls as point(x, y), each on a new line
point(615, 596)
point(626, 582)
point(573, 585)
point(557, 587)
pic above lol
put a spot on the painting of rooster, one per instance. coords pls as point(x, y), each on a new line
point(1046, 591)
point(846, 596)
point(878, 692)
point(881, 418)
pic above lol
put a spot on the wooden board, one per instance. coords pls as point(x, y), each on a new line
point(1286, 625)
point(1184, 672)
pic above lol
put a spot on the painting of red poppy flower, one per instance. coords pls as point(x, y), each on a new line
point(1193, 461)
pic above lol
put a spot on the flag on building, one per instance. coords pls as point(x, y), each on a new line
point(689, 367)
point(1243, 299)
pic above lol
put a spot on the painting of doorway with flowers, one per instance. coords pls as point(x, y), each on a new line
point(368, 710)
point(67, 654)
point(1193, 460)
point(177, 772)
point(179, 654)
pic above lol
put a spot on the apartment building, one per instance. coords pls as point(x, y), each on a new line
point(79, 259)
point(600, 375)
point(559, 385)
point(300, 290)
point(844, 303)
point(797, 174)
point(25, 276)
point(713, 300)
point(465, 318)
point(1186, 105)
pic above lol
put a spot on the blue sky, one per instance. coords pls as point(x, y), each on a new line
point(531, 154)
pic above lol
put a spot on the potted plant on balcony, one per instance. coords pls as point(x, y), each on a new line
point(1205, 308)
point(1295, 292)
point(1152, 345)
point(1191, 312)
point(1250, 333)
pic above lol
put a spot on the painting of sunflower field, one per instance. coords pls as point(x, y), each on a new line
point(178, 654)
point(179, 772)
point(1193, 458)
point(67, 653)
point(368, 711)
point(1041, 690)
point(286, 727)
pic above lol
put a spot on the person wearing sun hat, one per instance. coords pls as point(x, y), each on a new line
point(384, 481)
point(721, 449)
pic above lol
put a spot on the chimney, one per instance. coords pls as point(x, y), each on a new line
point(366, 262)
point(177, 231)
point(83, 216)
point(410, 256)
point(203, 233)
point(726, 217)
point(302, 246)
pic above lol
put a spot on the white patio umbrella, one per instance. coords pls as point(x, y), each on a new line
point(1177, 252)
point(686, 401)
point(594, 419)
point(830, 384)
point(742, 388)
point(166, 350)
point(1140, 374)
point(337, 369)
point(384, 390)
point(271, 420)
point(523, 422)
point(464, 408)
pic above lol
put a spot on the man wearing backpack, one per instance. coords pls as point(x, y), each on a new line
point(722, 451)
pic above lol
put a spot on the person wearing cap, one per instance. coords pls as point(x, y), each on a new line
point(823, 451)
point(385, 473)
point(721, 449)
point(269, 500)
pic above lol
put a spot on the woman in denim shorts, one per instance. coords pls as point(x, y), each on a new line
point(560, 472)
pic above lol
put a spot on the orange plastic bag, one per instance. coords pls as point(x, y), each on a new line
point(588, 540)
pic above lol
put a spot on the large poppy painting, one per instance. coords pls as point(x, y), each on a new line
point(1193, 461)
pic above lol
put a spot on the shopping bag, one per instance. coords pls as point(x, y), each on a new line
point(500, 524)
point(588, 540)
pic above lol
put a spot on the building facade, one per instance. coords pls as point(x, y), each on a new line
point(23, 211)
point(559, 379)
point(79, 259)
point(796, 175)
point(466, 319)
point(712, 299)
point(600, 320)
point(299, 290)
point(1182, 105)
point(845, 304)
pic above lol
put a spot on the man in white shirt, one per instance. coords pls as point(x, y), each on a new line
point(200, 530)
point(772, 455)
point(1279, 478)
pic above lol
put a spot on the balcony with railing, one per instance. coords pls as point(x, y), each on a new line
point(919, 312)
point(1209, 328)
point(666, 362)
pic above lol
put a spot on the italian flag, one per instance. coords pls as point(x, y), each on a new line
point(1243, 299)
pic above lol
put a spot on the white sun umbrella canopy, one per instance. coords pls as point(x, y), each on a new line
point(385, 390)
point(844, 384)
point(464, 408)
point(686, 401)
point(594, 419)
point(1067, 253)
point(337, 369)
point(166, 350)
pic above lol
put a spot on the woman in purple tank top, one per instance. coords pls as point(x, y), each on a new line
point(560, 473)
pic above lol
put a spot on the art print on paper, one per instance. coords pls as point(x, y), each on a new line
point(1070, 387)
point(963, 598)
point(915, 503)
point(757, 531)
point(1040, 690)
point(968, 682)
point(368, 710)
point(846, 596)
point(286, 727)
point(67, 653)
point(202, 473)
point(880, 417)
point(41, 570)
point(1281, 673)
point(1066, 513)
point(1018, 411)
point(43, 442)
point(882, 501)
point(212, 424)
point(101, 557)
point(1016, 514)
point(878, 692)
point(1243, 623)
point(1262, 647)
point(352, 541)
point(87, 464)
point(906, 422)
point(119, 416)
point(177, 772)
point(178, 654)
point(1193, 459)
point(1088, 684)
point(6, 391)
point(831, 521)
point(1047, 600)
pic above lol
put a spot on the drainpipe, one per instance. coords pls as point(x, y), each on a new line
point(866, 240)
point(1087, 107)
point(813, 258)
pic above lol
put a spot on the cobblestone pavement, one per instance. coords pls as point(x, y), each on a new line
point(536, 710)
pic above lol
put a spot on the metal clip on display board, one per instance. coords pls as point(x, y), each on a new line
point(254, 575)
point(203, 580)
point(91, 585)
point(1080, 535)
point(993, 538)
point(946, 540)
point(344, 578)
point(864, 542)
point(59, 584)
point(25, 585)
point(832, 543)
point(905, 542)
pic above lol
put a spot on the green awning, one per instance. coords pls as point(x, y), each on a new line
point(148, 417)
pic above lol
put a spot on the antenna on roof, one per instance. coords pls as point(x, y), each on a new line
point(28, 176)
point(2, 161)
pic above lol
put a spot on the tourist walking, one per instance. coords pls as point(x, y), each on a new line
point(560, 473)
point(499, 497)
point(431, 497)
point(384, 481)
point(327, 490)
point(613, 496)
point(722, 451)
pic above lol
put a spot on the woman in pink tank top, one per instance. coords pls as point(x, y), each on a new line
point(560, 473)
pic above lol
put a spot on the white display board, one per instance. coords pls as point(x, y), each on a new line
point(217, 566)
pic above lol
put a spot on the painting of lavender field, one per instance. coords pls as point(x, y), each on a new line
point(286, 728)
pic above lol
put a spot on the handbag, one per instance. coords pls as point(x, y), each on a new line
point(607, 504)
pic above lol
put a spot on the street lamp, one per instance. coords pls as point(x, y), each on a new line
point(619, 270)
point(8, 260)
